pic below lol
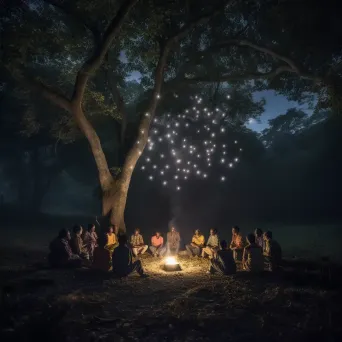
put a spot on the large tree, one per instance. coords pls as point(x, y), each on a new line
point(91, 47)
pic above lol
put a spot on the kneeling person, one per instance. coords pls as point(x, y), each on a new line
point(122, 260)
point(137, 243)
point(223, 263)
point(157, 245)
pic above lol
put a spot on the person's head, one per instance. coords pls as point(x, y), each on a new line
point(258, 232)
point(122, 239)
point(224, 244)
point(91, 227)
point(77, 229)
point(235, 230)
point(172, 229)
point(137, 231)
point(64, 234)
point(250, 239)
point(110, 230)
point(157, 234)
point(268, 235)
point(213, 231)
point(197, 232)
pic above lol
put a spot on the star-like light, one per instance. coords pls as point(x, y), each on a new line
point(193, 155)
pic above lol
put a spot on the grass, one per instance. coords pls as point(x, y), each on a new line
point(83, 305)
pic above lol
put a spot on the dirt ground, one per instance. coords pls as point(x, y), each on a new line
point(39, 304)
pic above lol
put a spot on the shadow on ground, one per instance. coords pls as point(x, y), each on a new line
point(299, 304)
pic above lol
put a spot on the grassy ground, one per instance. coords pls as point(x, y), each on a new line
point(45, 305)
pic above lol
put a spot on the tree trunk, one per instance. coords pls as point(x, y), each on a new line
point(114, 204)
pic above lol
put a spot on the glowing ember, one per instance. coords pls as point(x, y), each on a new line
point(171, 261)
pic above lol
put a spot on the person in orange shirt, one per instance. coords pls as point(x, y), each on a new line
point(196, 245)
point(236, 244)
point(157, 247)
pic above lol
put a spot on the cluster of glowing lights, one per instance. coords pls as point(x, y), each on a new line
point(188, 145)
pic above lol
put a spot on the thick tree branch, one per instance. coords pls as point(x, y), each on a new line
point(70, 12)
point(120, 103)
point(94, 62)
point(290, 66)
point(45, 91)
point(267, 51)
point(203, 19)
point(144, 126)
point(238, 77)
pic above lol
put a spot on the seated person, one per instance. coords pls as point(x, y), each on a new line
point(236, 244)
point(172, 241)
point(61, 254)
point(76, 243)
point(157, 245)
point(122, 260)
point(213, 245)
point(272, 252)
point(252, 259)
point(111, 240)
point(90, 240)
point(259, 239)
point(102, 259)
point(197, 243)
point(224, 262)
point(137, 243)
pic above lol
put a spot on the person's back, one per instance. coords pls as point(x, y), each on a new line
point(226, 259)
point(275, 253)
point(60, 252)
point(255, 258)
point(121, 259)
point(76, 244)
point(101, 259)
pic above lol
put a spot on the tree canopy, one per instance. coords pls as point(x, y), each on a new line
point(80, 54)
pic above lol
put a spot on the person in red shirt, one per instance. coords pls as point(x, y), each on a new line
point(157, 247)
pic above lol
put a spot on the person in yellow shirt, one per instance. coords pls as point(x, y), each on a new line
point(112, 241)
point(197, 243)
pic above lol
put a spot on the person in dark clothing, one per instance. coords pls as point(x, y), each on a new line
point(76, 243)
point(61, 254)
point(122, 260)
point(252, 259)
point(223, 263)
point(259, 239)
point(272, 252)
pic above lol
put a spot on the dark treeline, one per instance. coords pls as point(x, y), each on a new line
point(288, 173)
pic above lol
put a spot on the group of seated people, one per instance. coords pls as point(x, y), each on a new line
point(257, 251)
point(116, 253)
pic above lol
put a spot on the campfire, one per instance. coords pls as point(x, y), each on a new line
point(171, 264)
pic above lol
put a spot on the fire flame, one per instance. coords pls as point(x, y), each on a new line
point(171, 261)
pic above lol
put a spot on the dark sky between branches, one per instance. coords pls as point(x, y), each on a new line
point(275, 105)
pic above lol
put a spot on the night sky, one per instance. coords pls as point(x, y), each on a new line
point(275, 105)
